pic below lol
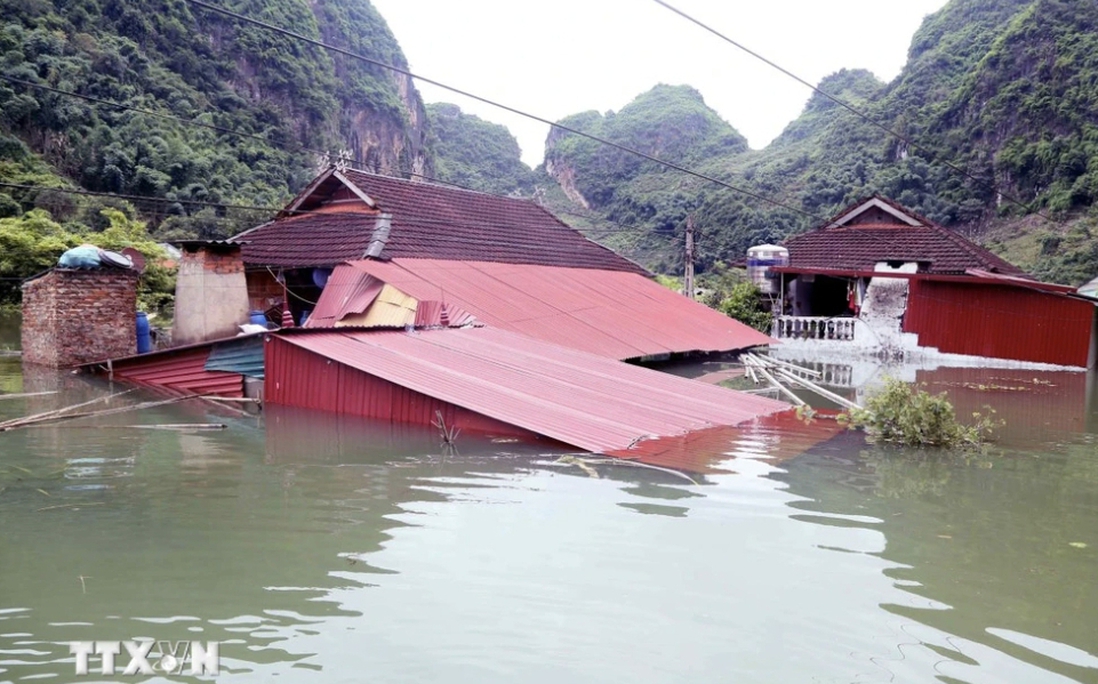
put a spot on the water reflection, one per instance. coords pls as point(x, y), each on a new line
point(1000, 543)
point(319, 548)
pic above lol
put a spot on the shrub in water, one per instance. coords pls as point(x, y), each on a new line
point(902, 414)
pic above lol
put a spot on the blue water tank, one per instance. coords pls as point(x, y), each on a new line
point(144, 334)
point(257, 318)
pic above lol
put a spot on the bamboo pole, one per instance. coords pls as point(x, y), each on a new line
point(47, 415)
point(165, 426)
point(842, 401)
point(779, 386)
point(799, 369)
point(25, 395)
point(50, 416)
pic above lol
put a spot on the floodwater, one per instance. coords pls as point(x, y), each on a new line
point(317, 549)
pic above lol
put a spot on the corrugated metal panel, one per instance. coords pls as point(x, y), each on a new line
point(1000, 321)
point(430, 314)
point(183, 371)
point(347, 292)
point(611, 313)
point(574, 397)
point(299, 377)
point(244, 357)
point(391, 309)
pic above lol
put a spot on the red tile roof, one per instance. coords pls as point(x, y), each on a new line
point(429, 221)
point(609, 313)
point(580, 399)
point(861, 246)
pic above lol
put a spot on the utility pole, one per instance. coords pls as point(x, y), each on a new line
point(688, 276)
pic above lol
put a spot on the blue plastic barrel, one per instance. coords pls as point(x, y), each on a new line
point(144, 334)
point(257, 318)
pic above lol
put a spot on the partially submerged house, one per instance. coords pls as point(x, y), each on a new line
point(507, 261)
point(880, 278)
point(425, 304)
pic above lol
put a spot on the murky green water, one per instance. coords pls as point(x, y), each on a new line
point(326, 550)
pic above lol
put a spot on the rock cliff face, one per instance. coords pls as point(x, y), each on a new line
point(281, 107)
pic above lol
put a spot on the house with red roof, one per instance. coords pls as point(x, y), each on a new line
point(355, 248)
point(457, 311)
point(882, 278)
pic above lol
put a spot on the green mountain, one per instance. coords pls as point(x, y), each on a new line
point(476, 154)
point(1006, 90)
point(292, 104)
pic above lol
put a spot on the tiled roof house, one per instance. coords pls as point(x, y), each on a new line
point(877, 230)
point(420, 249)
point(880, 278)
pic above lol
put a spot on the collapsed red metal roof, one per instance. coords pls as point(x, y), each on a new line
point(610, 313)
point(580, 399)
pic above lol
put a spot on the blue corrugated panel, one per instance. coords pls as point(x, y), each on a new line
point(238, 356)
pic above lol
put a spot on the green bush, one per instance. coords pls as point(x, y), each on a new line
point(910, 416)
point(745, 304)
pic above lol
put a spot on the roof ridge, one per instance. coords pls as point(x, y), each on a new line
point(350, 173)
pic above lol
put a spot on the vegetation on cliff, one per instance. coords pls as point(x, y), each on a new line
point(292, 104)
point(476, 154)
point(1005, 89)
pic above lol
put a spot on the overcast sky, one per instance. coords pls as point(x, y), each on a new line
point(558, 57)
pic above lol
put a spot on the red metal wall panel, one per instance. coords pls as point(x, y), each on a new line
point(1000, 322)
point(298, 377)
point(183, 371)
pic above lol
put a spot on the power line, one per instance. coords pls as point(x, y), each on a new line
point(355, 164)
point(221, 129)
point(507, 108)
point(847, 106)
point(137, 198)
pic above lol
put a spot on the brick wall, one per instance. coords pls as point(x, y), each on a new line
point(73, 317)
point(264, 291)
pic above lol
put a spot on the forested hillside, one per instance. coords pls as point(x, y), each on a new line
point(476, 154)
point(1006, 90)
point(210, 112)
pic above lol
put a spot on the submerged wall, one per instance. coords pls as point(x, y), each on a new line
point(73, 317)
point(298, 377)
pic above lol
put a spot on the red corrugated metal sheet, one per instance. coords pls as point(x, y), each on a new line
point(182, 371)
point(346, 293)
point(610, 313)
point(574, 397)
point(306, 379)
point(1000, 321)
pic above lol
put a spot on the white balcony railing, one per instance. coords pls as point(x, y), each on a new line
point(813, 328)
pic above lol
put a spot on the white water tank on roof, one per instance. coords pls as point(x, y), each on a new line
point(759, 261)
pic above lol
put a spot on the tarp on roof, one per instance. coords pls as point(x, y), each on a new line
point(581, 399)
point(610, 313)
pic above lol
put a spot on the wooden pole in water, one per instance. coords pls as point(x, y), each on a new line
point(841, 401)
point(46, 415)
point(25, 395)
